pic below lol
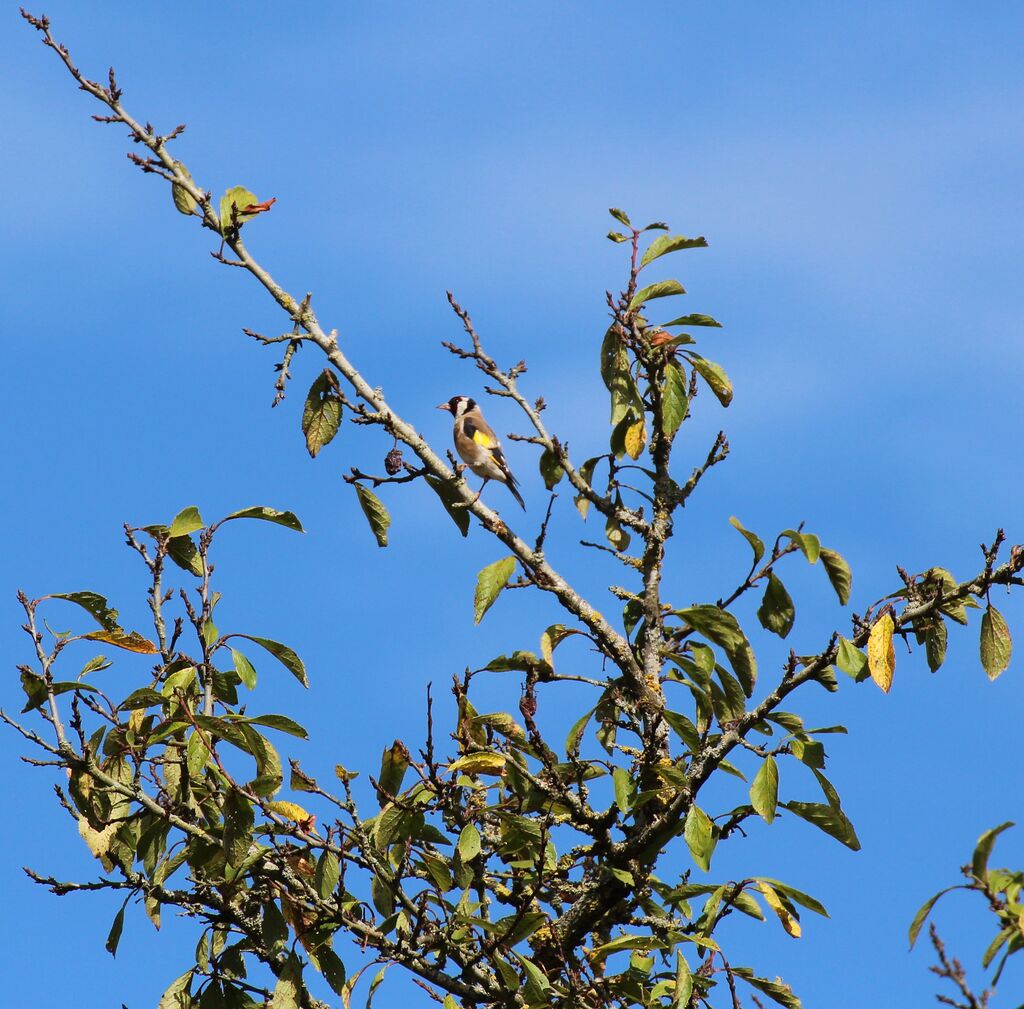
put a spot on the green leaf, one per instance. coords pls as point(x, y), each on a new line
point(694, 320)
point(714, 375)
point(982, 851)
point(665, 244)
point(715, 624)
point(283, 654)
point(617, 237)
point(935, 644)
point(777, 991)
point(839, 574)
point(729, 704)
point(721, 628)
point(172, 998)
point(238, 823)
point(489, 583)
point(187, 521)
point(746, 903)
point(755, 541)
point(504, 723)
point(625, 789)
point(183, 200)
point(210, 633)
point(35, 689)
point(286, 519)
point(851, 660)
point(776, 611)
point(374, 985)
point(587, 474)
point(620, 216)
point(996, 644)
point(244, 668)
point(996, 944)
point(662, 289)
point(744, 664)
point(811, 753)
point(95, 605)
point(469, 843)
point(573, 740)
point(550, 469)
point(514, 929)
point(519, 661)
point(332, 968)
point(280, 722)
point(624, 942)
point(622, 417)
point(321, 414)
point(923, 912)
point(237, 197)
point(537, 988)
point(674, 402)
point(275, 928)
point(450, 498)
point(684, 983)
point(827, 818)
point(196, 755)
point(95, 663)
point(375, 512)
point(764, 791)
point(114, 936)
point(808, 543)
point(288, 987)
point(699, 834)
point(182, 550)
point(618, 380)
point(144, 697)
point(327, 874)
point(618, 537)
point(394, 762)
point(683, 728)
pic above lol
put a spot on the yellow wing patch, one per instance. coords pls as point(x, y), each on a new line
point(482, 439)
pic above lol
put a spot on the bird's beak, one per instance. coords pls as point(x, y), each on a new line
point(444, 406)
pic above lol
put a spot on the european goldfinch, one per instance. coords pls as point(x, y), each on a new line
point(478, 445)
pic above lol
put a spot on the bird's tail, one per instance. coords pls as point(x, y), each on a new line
point(513, 486)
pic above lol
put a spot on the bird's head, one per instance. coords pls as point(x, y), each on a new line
point(458, 405)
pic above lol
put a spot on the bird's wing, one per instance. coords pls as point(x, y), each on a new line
point(480, 431)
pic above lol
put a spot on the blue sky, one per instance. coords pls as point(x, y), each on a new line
point(856, 169)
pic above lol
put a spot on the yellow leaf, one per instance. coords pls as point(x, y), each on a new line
point(636, 438)
point(182, 198)
point(551, 639)
point(881, 655)
point(133, 642)
point(289, 810)
point(99, 841)
point(484, 762)
point(771, 898)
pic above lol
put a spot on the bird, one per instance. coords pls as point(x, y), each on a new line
point(478, 445)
